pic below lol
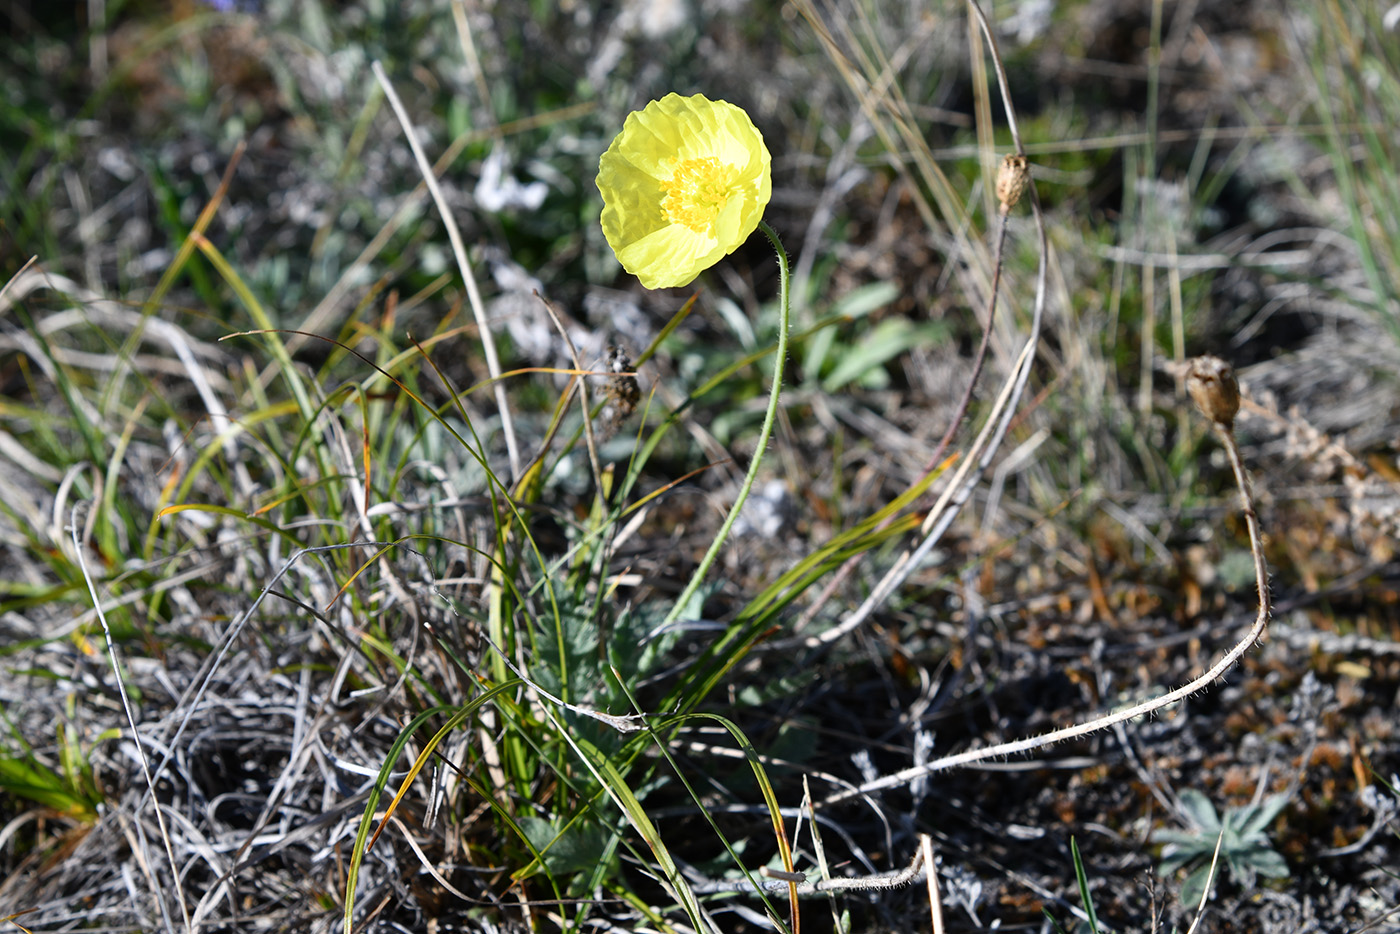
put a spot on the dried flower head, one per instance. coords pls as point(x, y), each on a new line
point(622, 390)
point(1211, 383)
point(683, 184)
point(1012, 179)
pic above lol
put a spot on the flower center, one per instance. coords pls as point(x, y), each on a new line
point(697, 190)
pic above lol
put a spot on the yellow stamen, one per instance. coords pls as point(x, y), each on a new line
point(696, 192)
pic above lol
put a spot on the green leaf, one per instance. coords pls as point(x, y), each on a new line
point(860, 302)
point(1178, 839)
point(1256, 818)
point(1083, 880)
point(566, 850)
point(1268, 863)
point(1200, 812)
point(1177, 858)
point(817, 350)
point(1195, 886)
point(890, 338)
point(42, 785)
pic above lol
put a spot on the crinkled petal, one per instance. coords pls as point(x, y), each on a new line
point(670, 257)
point(631, 207)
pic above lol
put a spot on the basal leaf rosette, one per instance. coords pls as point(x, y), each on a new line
point(683, 184)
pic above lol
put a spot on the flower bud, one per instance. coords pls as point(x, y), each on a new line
point(1012, 179)
point(1211, 384)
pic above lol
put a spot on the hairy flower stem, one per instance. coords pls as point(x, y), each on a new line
point(784, 315)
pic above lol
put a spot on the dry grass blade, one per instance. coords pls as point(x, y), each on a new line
point(582, 383)
point(120, 677)
point(871, 80)
point(1210, 881)
point(459, 250)
point(935, 903)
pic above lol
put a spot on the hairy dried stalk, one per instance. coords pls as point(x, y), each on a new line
point(1209, 381)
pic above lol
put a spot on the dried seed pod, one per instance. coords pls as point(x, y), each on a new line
point(622, 390)
point(1211, 383)
point(1012, 179)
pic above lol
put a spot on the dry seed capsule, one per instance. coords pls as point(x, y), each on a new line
point(1012, 179)
point(1212, 386)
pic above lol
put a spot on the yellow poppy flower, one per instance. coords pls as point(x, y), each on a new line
point(683, 184)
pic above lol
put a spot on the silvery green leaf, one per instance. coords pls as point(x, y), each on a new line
point(1256, 818)
point(1175, 860)
point(1269, 863)
point(1199, 811)
point(1177, 838)
point(1195, 885)
point(1240, 870)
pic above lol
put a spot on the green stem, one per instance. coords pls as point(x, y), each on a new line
point(784, 314)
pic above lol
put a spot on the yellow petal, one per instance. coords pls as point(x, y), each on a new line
point(670, 257)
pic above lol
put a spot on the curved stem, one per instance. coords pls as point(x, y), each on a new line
point(954, 424)
point(1254, 634)
point(784, 314)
